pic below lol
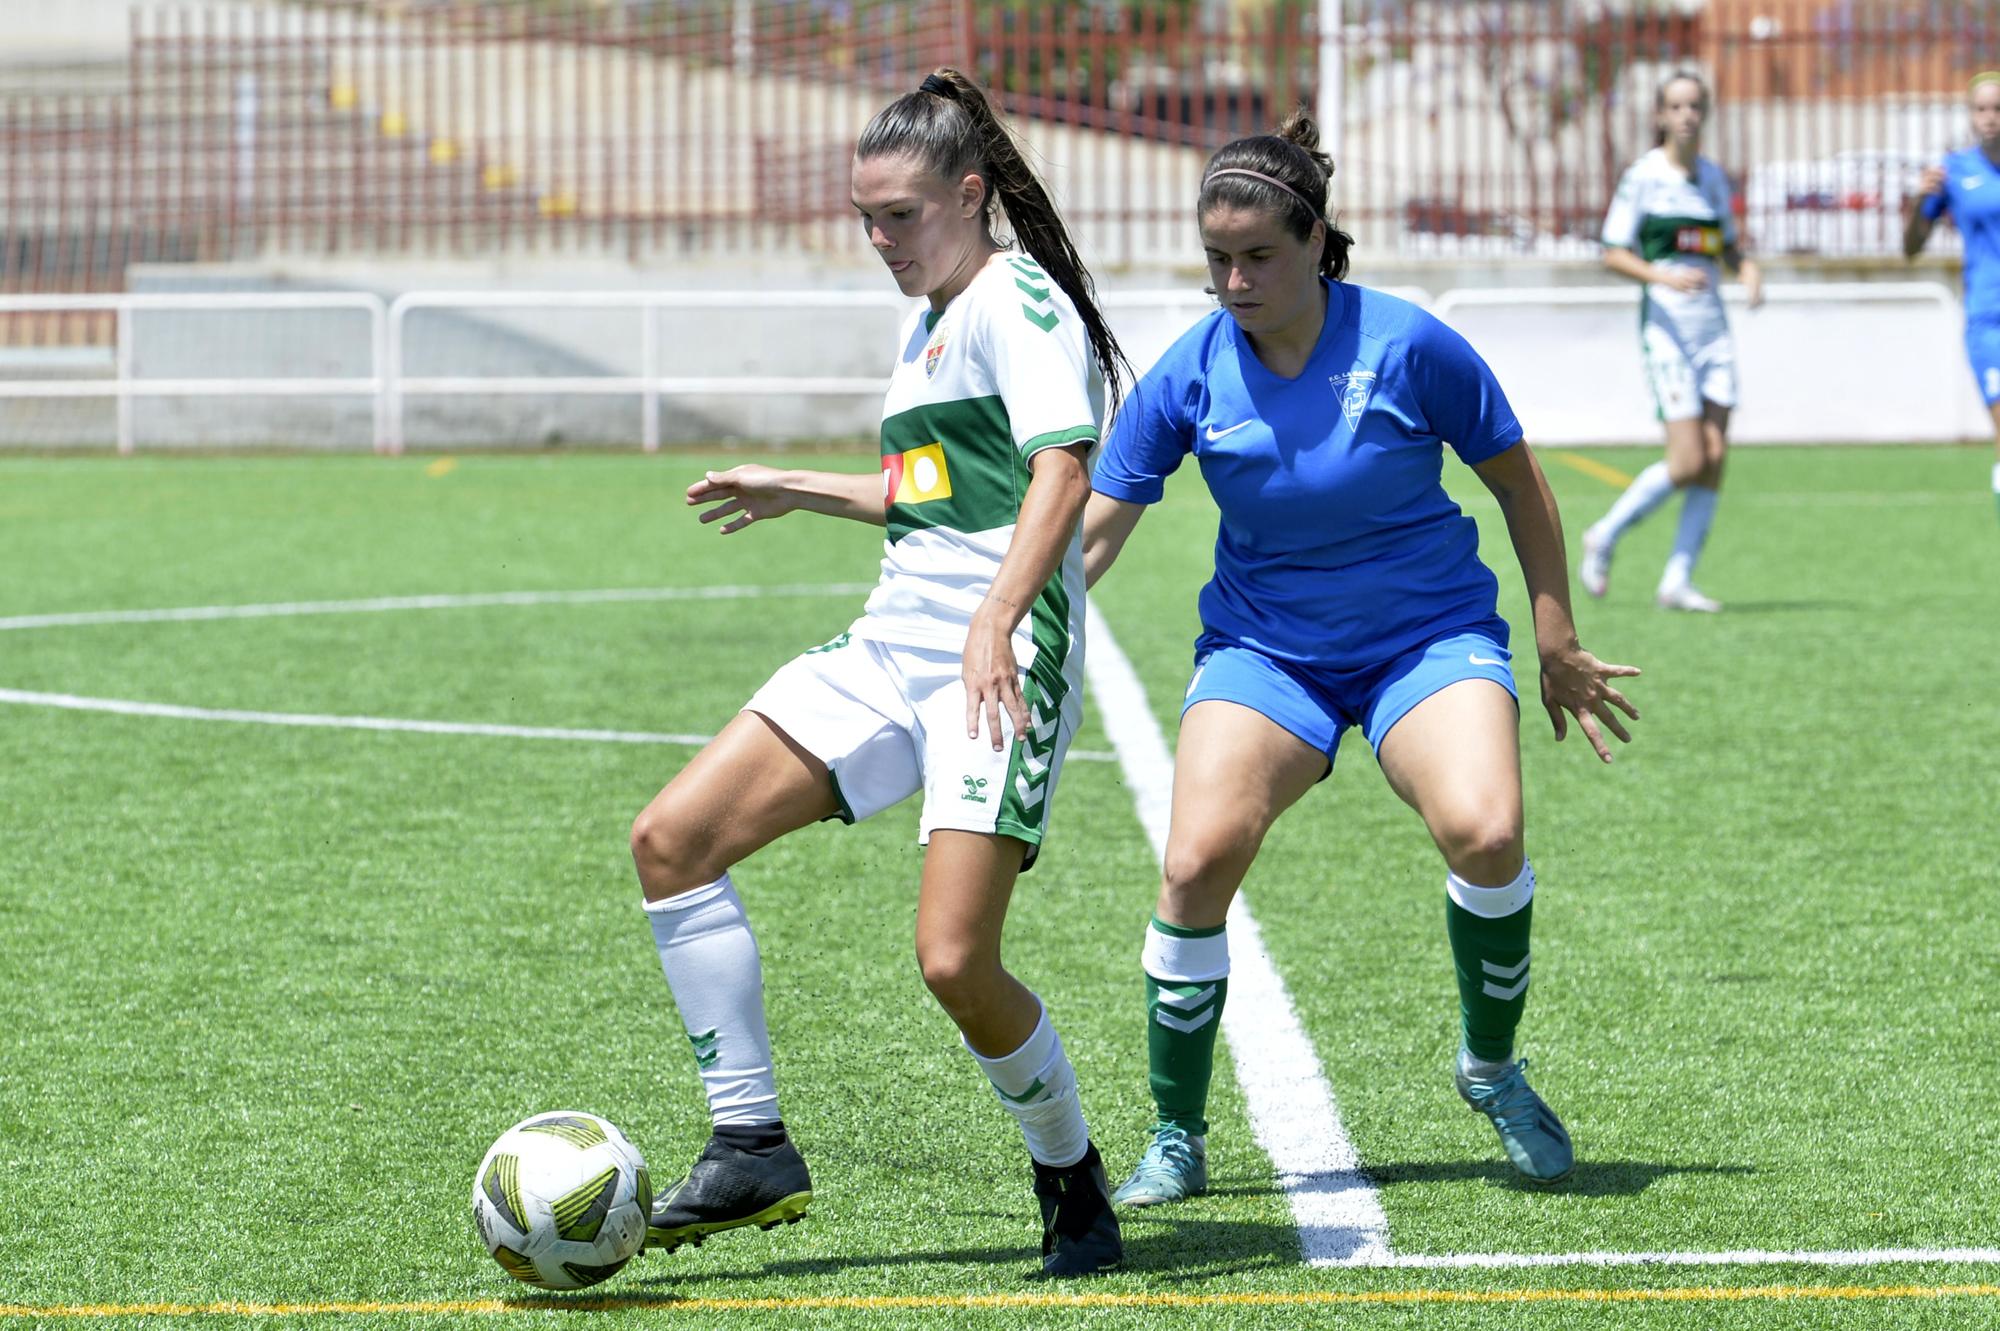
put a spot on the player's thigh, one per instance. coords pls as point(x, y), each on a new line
point(1670, 374)
point(747, 787)
point(1235, 771)
point(962, 904)
point(828, 736)
point(1455, 757)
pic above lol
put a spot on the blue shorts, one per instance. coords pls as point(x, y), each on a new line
point(1982, 348)
point(1318, 705)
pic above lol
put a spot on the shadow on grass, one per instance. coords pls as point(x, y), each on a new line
point(1789, 607)
point(1593, 1178)
point(1177, 1247)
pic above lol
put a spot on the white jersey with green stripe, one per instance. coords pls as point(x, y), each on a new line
point(979, 388)
point(1672, 219)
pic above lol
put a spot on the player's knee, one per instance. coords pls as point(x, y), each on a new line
point(1482, 845)
point(959, 974)
point(1685, 470)
point(669, 855)
point(1191, 874)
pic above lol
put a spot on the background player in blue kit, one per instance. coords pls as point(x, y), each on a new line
point(1348, 591)
point(1968, 187)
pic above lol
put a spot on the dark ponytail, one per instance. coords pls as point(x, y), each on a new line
point(1296, 190)
point(949, 125)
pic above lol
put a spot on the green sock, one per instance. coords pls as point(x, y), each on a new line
point(1490, 954)
point(1182, 1017)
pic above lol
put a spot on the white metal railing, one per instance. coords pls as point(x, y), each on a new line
point(389, 388)
point(125, 386)
point(650, 385)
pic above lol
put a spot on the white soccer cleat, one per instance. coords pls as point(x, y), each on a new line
point(1594, 571)
point(1685, 597)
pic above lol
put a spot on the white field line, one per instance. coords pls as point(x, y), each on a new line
point(379, 604)
point(1487, 1261)
point(1292, 1111)
point(170, 711)
point(127, 707)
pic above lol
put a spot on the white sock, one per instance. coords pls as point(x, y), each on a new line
point(1493, 903)
point(1996, 478)
point(1177, 959)
point(1697, 512)
point(712, 965)
point(1648, 490)
point(1039, 1072)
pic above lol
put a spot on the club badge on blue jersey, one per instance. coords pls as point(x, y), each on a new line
point(1354, 388)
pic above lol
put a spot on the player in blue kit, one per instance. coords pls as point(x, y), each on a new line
point(1968, 187)
point(1348, 591)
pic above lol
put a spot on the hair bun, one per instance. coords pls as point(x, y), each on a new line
point(1301, 129)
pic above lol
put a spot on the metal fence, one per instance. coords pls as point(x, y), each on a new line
point(641, 128)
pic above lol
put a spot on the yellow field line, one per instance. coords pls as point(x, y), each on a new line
point(946, 1302)
point(1588, 466)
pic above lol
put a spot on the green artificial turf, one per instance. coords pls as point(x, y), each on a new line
point(267, 993)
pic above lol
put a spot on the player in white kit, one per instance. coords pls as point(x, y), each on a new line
point(1671, 228)
point(962, 679)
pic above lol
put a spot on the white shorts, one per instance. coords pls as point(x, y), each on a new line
point(889, 720)
point(1685, 372)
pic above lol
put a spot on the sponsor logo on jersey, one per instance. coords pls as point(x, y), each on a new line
point(1698, 240)
point(934, 353)
point(1354, 388)
point(915, 477)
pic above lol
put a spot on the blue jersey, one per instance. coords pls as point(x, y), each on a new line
point(1338, 546)
point(1972, 197)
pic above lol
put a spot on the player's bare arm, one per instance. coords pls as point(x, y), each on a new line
point(1107, 524)
point(755, 493)
point(1057, 491)
point(1574, 683)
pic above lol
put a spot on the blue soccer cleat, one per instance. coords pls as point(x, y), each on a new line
point(1533, 1136)
point(1174, 1168)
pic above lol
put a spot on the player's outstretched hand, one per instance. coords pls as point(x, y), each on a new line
point(1575, 683)
point(1932, 180)
point(743, 494)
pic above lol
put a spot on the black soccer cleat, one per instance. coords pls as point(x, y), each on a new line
point(1079, 1231)
point(729, 1188)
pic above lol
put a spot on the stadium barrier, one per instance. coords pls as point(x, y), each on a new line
point(1835, 362)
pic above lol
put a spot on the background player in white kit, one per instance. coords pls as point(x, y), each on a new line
point(1670, 227)
point(962, 678)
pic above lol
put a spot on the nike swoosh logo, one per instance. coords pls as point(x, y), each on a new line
point(1477, 659)
point(1214, 434)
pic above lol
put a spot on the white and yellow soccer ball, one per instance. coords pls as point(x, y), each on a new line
point(561, 1200)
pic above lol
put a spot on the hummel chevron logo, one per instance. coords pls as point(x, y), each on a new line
point(1024, 1096)
point(705, 1051)
point(1215, 434)
point(1190, 1001)
point(1027, 275)
point(1504, 993)
point(1185, 1025)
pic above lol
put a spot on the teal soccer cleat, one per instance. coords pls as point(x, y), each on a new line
point(1174, 1168)
point(1534, 1137)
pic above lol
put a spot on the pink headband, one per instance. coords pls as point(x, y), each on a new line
point(1269, 180)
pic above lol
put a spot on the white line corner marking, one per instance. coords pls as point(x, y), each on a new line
point(1292, 1111)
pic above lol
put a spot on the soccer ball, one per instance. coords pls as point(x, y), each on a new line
point(561, 1200)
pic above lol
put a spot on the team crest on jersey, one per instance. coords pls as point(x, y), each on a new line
point(1354, 388)
point(933, 353)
